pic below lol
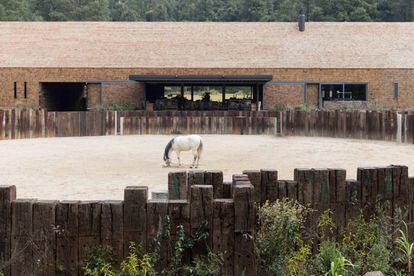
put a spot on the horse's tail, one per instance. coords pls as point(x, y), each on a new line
point(167, 149)
point(199, 149)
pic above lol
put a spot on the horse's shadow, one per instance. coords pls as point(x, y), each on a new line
point(176, 166)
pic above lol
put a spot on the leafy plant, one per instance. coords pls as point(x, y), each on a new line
point(297, 263)
point(118, 106)
point(279, 235)
point(99, 261)
point(280, 107)
point(206, 266)
point(338, 267)
point(406, 248)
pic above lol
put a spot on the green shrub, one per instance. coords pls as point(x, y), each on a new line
point(279, 235)
point(280, 107)
point(118, 106)
point(99, 261)
point(134, 264)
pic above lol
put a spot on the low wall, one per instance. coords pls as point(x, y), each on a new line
point(52, 237)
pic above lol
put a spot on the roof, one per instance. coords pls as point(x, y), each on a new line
point(206, 45)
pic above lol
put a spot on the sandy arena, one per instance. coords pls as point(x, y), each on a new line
point(100, 167)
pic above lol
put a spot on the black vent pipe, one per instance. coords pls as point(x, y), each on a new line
point(301, 21)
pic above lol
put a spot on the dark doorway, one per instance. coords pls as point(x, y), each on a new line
point(63, 96)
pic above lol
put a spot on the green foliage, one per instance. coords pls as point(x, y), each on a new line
point(279, 235)
point(304, 107)
point(206, 10)
point(205, 266)
point(99, 261)
point(280, 107)
point(134, 264)
point(118, 106)
point(406, 248)
point(298, 261)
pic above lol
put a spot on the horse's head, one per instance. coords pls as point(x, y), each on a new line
point(167, 153)
point(167, 161)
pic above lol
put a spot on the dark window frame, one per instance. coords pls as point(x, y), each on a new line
point(25, 90)
point(15, 90)
point(343, 88)
point(396, 91)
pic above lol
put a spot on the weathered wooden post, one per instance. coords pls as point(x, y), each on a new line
point(67, 222)
point(244, 227)
point(135, 216)
point(177, 185)
point(227, 189)
point(201, 211)
point(44, 237)
point(337, 195)
point(7, 195)
point(269, 186)
point(223, 232)
point(195, 178)
point(255, 178)
point(112, 227)
point(157, 211)
point(22, 236)
point(215, 179)
point(89, 227)
point(353, 199)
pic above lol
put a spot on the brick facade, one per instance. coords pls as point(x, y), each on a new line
point(380, 83)
point(103, 93)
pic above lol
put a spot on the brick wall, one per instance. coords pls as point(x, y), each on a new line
point(380, 81)
point(282, 94)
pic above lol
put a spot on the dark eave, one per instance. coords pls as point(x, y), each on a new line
point(216, 79)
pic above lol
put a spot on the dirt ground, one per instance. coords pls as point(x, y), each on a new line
point(100, 167)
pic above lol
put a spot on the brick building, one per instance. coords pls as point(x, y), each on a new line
point(82, 65)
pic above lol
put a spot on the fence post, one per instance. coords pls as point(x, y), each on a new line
point(215, 178)
point(244, 227)
point(22, 237)
point(44, 250)
point(7, 195)
point(269, 186)
point(223, 232)
point(112, 227)
point(177, 185)
point(255, 178)
point(135, 216)
point(157, 210)
point(201, 210)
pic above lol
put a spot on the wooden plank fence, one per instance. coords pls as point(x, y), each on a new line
point(52, 237)
point(372, 125)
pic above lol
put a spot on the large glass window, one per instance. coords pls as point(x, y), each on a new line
point(239, 92)
point(343, 92)
point(171, 92)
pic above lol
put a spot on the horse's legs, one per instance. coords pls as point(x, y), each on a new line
point(195, 159)
point(178, 157)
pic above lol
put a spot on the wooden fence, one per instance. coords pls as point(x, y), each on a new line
point(387, 125)
point(40, 237)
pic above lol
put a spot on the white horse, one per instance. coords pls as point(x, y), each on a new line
point(184, 143)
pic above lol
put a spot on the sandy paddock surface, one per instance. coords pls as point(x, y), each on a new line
point(100, 167)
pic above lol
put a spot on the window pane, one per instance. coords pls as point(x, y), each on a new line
point(171, 92)
point(332, 92)
point(356, 92)
point(239, 92)
point(208, 93)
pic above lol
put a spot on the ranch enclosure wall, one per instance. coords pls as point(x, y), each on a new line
point(375, 125)
point(40, 237)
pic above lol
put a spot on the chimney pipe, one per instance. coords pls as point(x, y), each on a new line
point(301, 21)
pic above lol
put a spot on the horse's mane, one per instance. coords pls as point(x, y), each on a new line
point(167, 149)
